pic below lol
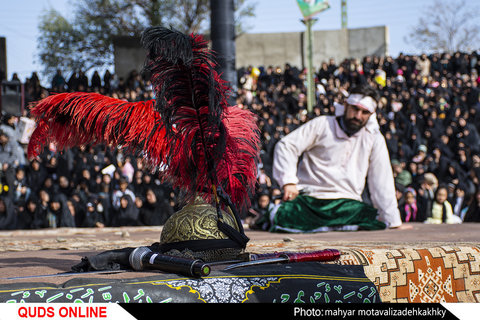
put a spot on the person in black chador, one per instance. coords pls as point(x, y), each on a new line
point(27, 213)
point(258, 214)
point(58, 214)
point(473, 211)
point(127, 213)
point(35, 175)
point(7, 214)
point(41, 212)
point(93, 218)
point(156, 210)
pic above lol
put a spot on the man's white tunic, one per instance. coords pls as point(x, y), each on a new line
point(335, 166)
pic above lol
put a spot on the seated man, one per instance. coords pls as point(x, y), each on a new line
point(323, 191)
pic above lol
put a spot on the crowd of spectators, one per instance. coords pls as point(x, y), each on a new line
point(429, 113)
point(85, 186)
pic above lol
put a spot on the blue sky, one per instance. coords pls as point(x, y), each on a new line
point(19, 20)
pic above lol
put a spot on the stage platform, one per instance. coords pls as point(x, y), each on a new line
point(424, 263)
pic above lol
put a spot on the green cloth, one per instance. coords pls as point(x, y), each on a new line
point(308, 214)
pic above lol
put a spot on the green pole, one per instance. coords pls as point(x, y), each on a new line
point(311, 98)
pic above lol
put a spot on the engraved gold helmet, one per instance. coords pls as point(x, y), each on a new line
point(200, 231)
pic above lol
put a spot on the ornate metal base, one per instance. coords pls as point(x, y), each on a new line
point(209, 255)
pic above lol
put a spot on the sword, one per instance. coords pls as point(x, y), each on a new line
point(288, 257)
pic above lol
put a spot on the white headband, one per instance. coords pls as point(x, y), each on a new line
point(364, 102)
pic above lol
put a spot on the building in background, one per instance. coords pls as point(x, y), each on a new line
point(263, 49)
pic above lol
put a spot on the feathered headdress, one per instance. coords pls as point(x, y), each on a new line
point(204, 146)
point(218, 142)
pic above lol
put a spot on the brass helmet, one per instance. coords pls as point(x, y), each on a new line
point(199, 230)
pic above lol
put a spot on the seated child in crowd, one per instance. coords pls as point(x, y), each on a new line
point(442, 211)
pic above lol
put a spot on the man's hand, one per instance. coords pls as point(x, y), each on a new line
point(290, 192)
point(403, 227)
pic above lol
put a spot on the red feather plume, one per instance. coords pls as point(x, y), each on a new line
point(73, 119)
point(211, 143)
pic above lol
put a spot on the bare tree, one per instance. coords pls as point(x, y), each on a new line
point(448, 26)
point(58, 44)
point(194, 15)
point(243, 10)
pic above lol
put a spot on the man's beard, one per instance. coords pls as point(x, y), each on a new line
point(350, 126)
point(353, 124)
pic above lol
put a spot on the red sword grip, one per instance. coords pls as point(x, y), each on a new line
point(322, 255)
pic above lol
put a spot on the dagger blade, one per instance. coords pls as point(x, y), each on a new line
point(256, 262)
point(322, 255)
